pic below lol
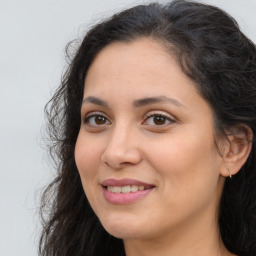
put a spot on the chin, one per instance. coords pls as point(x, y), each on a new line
point(124, 234)
point(123, 229)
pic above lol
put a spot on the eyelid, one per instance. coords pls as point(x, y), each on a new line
point(160, 113)
point(94, 113)
point(169, 117)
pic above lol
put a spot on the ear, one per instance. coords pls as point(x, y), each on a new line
point(236, 149)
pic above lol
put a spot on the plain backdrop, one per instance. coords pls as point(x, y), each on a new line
point(33, 35)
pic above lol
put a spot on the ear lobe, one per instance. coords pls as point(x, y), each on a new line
point(237, 149)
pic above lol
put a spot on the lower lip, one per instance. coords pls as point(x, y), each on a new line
point(125, 198)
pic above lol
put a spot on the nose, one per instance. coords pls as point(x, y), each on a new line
point(122, 149)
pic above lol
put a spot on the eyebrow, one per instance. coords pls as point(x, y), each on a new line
point(154, 100)
point(137, 103)
point(95, 101)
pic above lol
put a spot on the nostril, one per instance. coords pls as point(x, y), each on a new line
point(118, 155)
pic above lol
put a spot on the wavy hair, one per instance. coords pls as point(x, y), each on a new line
point(212, 52)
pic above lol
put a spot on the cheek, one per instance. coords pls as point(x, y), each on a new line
point(87, 154)
point(189, 176)
point(87, 157)
point(186, 162)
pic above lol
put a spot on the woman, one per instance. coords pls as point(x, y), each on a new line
point(153, 126)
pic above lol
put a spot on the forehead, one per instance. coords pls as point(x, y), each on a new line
point(123, 73)
point(140, 62)
point(142, 48)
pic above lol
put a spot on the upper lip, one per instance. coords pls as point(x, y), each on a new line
point(124, 182)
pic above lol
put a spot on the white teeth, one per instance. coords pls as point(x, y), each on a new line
point(116, 189)
point(125, 189)
point(134, 188)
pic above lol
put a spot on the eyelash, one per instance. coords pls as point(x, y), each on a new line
point(166, 117)
point(91, 115)
point(88, 117)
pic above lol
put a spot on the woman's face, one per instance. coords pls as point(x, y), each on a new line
point(145, 151)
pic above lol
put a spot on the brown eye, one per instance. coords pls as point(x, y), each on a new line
point(96, 120)
point(100, 120)
point(158, 120)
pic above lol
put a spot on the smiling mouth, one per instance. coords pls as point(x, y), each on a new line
point(126, 194)
point(126, 189)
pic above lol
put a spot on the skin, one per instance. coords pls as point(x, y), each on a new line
point(177, 154)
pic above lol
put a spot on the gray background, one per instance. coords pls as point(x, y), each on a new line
point(33, 35)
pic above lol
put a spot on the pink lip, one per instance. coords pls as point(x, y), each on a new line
point(125, 198)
